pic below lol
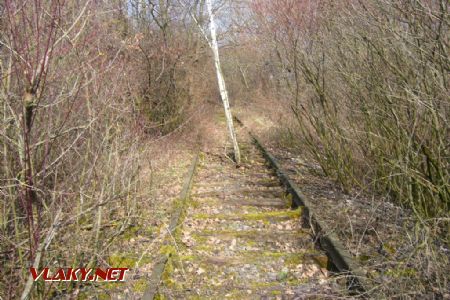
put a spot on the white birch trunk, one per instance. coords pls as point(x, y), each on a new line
point(222, 86)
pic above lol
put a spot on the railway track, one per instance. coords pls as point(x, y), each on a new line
point(240, 235)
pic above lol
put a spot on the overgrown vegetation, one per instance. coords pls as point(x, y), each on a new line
point(83, 86)
point(376, 78)
point(369, 89)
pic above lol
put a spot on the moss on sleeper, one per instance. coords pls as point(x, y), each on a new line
point(296, 213)
point(288, 199)
point(263, 285)
point(166, 275)
point(168, 250)
point(273, 254)
point(194, 203)
point(294, 260)
point(275, 292)
point(238, 233)
point(140, 285)
point(401, 272)
point(160, 297)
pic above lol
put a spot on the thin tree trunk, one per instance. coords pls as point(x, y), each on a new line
point(39, 253)
point(222, 86)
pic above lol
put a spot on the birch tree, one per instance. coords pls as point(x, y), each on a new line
point(221, 81)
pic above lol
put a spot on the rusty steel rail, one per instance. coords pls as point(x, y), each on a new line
point(155, 279)
point(341, 259)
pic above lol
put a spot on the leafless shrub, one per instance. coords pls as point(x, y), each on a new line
point(69, 139)
point(369, 87)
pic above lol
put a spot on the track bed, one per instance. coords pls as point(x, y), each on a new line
point(240, 239)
